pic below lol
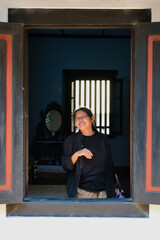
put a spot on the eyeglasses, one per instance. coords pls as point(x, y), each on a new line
point(81, 118)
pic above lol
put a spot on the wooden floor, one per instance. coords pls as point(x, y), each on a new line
point(47, 191)
point(49, 185)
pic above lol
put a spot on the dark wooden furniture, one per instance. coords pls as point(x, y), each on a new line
point(45, 157)
point(45, 164)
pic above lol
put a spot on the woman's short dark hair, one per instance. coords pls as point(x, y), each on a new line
point(84, 109)
point(88, 112)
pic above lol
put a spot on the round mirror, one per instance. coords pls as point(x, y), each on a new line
point(53, 120)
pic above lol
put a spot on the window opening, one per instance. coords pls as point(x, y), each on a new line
point(47, 84)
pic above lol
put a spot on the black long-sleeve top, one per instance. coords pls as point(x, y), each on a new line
point(74, 143)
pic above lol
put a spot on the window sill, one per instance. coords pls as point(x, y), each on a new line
point(78, 208)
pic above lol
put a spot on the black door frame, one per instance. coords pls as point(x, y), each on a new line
point(78, 18)
point(92, 17)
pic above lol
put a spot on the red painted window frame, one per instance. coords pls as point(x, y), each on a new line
point(7, 185)
point(149, 186)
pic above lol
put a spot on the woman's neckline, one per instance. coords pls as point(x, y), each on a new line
point(89, 135)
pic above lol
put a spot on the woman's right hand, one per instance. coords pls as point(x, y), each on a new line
point(83, 152)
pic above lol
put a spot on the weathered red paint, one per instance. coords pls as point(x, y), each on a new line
point(8, 39)
point(149, 186)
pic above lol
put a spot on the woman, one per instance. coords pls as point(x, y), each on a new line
point(87, 160)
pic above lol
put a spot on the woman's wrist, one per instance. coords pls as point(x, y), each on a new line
point(75, 156)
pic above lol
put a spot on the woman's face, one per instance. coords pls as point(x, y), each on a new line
point(83, 121)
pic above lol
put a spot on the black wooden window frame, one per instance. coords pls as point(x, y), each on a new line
point(67, 207)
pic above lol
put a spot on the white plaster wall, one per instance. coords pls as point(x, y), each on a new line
point(80, 228)
point(42, 228)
